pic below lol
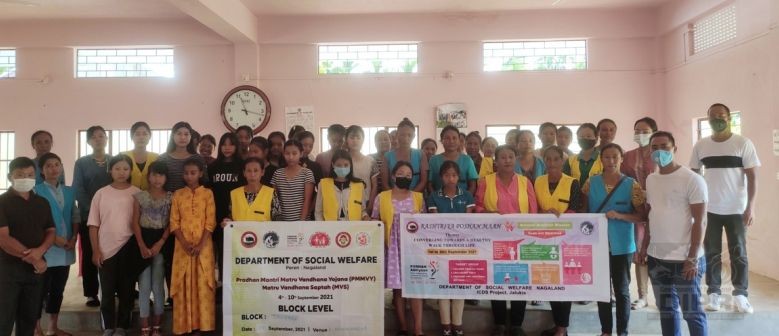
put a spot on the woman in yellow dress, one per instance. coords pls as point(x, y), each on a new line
point(192, 220)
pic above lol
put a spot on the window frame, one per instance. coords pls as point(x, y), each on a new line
point(319, 60)
point(13, 66)
point(7, 154)
point(368, 141)
point(77, 71)
point(83, 148)
point(586, 54)
point(690, 33)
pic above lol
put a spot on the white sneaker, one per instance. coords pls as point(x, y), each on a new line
point(741, 304)
point(714, 302)
point(638, 304)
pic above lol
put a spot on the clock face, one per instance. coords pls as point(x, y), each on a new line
point(246, 106)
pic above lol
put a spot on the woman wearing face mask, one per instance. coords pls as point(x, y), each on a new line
point(638, 164)
point(587, 163)
point(387, 207)
point(342, 196)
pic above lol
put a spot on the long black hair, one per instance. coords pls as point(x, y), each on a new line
point(172, 143)
point(343, 154)
point(234, 141)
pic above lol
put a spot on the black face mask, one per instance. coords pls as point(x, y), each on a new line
point(587, 143)
point(403, 182)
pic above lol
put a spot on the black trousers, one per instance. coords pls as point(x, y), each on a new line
point(89, 272)
point(53, 286)
point(20, 298)
point(561, 313)
point(517, 314)
point(733, 225)
point(116, 277)
point(619, 267)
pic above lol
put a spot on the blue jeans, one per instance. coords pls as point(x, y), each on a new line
point(672, 290)
point(152, 280)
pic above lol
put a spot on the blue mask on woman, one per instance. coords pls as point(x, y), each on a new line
point(342, 171)
point(662, 157)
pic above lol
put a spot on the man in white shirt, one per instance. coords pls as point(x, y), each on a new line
point(730, 163)
point(673, 247)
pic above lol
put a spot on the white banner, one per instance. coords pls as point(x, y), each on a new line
point(302, 278)
point(505, 257)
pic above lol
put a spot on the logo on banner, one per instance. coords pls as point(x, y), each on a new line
point(319, 239)
point(270, 239)
point(586, 228)
point(433, 268)
point(343, 239)
point(508, 227)
point(363, 239)
point(412, 227)
point(248, 239)
point(295, 240)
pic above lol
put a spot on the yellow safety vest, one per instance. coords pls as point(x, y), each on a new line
point(259, 210)
point(137, 176)
point(491, 193)
point(573, 162)
point(487, 165)
point(561, 197)
point(387, 211)
point(331, 205)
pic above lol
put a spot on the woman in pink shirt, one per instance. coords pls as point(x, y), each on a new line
point(506, 192)
point(638, 164)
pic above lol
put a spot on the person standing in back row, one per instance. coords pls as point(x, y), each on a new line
point(730, 163)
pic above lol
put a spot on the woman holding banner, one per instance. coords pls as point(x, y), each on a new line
point(622, 200)
point(557, 193)
point(506, 192)
point(387, 207)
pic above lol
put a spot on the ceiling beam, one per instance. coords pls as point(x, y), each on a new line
point(228, 18)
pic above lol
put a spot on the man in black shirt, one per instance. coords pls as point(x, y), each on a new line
point(26, 233)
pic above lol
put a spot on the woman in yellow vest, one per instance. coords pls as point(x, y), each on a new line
point(341, 196)
point(557, 193)
point(387, 207)
point(587, 163)
point(254, 201)
point(142, 159)
point(506, 192)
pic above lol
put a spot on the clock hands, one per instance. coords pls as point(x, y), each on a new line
point(244, 106)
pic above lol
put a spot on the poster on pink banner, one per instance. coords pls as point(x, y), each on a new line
point(577, 264)
point(505, 257)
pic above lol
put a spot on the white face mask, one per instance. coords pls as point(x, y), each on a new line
point(23, 185)
point(642, 139)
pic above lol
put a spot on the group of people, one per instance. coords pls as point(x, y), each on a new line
point(157, 220)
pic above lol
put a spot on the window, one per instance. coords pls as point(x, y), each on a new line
point(7, 146)
point(7, 63)
point(535, 55)
point(121, 141)
point(704, 129)
point(499, 133)
point(713, 29)
point(368, 145)
point(367, 58)
point(124, 63)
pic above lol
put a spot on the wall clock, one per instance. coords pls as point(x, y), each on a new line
point(245, 105)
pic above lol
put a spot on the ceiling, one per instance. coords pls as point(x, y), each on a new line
point(332, 7)
point(162, 9)
point(88, 9)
